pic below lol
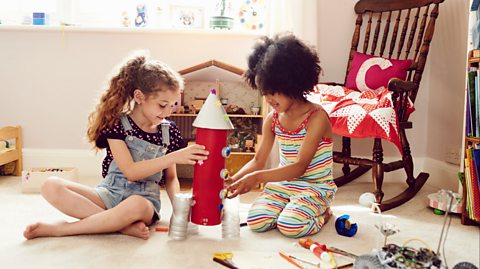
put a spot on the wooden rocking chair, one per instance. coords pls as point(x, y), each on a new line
point(401, 29)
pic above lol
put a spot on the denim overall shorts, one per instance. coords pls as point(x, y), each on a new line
point(115, 187)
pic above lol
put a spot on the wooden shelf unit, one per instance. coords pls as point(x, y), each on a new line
point(13, 155)
point(465, 220)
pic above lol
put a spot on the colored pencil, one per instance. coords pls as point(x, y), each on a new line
point(290, 260)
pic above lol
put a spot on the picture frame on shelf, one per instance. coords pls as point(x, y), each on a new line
point(187, 17)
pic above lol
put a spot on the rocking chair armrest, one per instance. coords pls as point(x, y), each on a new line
point(406, 125)
point(397, 85)
point(331, 83)
point(401, 99)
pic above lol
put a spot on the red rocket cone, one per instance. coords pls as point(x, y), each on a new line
point(212, 125)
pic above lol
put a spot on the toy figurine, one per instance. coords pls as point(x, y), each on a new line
point(141, 18)
point(125, 19)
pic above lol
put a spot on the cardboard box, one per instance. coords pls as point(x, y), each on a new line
point(33, 179)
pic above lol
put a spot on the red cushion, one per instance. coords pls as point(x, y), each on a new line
point(370, 72)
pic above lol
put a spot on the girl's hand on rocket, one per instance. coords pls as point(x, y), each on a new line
point(243, 185)
point(229, 181)
point(190, 154)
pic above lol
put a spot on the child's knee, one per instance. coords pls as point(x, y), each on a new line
point(292, 231)
point(262, 224)
point(138, 208)
point(296, 228)
point(51, 187)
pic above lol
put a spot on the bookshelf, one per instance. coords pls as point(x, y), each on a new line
point(471, 176)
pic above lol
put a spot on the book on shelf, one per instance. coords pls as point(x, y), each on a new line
point(468, 117)
point(472, 182)
point(468, 189)
point(473, 103)
point(477, 113)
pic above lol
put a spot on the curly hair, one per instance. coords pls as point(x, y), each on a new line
point(149, 76)
point(283, 64)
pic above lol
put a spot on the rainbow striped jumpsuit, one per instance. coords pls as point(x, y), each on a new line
point(296, 207)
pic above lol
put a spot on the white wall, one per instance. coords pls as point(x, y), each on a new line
point(50, 82)
point(447, 78)
point(439, 105)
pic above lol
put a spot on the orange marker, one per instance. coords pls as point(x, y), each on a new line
point(290, 260)
point(161, 229)
point(318, 249)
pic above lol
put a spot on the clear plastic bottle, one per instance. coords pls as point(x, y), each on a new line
point(231, 218)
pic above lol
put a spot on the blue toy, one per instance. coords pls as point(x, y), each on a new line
point(141, 18)
point(344, 227)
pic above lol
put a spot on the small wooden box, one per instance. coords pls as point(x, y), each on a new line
point(33, 179)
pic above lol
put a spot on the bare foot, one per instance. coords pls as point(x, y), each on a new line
point(327, 215)
point(137, 229)
point(40, 229)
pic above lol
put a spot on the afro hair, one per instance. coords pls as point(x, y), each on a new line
point(283, 64)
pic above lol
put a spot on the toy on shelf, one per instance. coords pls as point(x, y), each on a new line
point(141, 18)
point(125, 19)
point(234, 109)
point(242, 139)
point(222, 21)
point(255, 110)
point(4, 145)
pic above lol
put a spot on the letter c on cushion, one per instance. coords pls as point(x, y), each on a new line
point(370, 72)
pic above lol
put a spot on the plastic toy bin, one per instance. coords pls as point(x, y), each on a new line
point(33, 179)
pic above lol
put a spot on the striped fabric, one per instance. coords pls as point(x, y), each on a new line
point(320, 168)
point(298, 207)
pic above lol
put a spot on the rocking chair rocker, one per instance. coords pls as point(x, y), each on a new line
point(403, 29)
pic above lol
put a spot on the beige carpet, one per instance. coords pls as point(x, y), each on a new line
point(252, 250)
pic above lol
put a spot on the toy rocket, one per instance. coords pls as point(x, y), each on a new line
point(212, 126)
